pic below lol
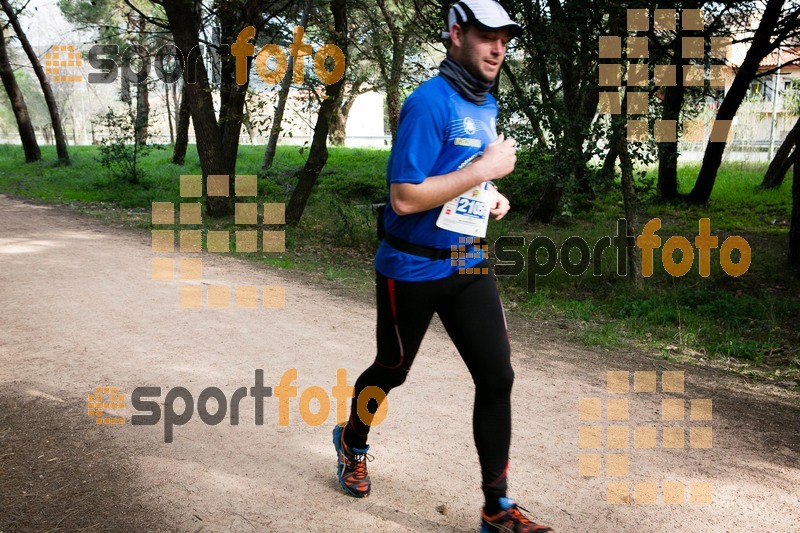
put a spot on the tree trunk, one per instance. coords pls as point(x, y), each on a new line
point(142, 113)
point(233, 16)
point(632, 220)
point(182, 127)
point(27, 134)
point(667, 185)
point(524, 106)
point(183, 22)
point(175, 104)
point(610, 161)
point(339, 121)
point(393, 108)
point(794, 230)
point(52, 107)
point(761, 46)
point(318, 154)
point(283, 94)
point(248, 125)
point(783, 159)
point(49, 98)
point(547, 207)
point(277, 116)
point(169, 115)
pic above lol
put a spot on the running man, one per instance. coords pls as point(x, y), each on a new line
point(446, 147)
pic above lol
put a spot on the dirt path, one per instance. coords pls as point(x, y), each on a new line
point(80, 310)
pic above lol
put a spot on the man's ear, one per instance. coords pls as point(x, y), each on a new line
point(456, 35)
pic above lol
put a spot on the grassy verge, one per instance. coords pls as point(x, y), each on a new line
point(745, 323)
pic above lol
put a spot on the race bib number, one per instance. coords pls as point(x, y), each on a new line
point(468, 213)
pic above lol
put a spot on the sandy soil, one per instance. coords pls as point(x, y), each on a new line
point(80, 310)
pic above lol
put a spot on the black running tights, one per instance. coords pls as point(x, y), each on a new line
point(470, 310)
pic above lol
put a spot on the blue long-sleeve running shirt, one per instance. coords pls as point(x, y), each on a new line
point(439, 132)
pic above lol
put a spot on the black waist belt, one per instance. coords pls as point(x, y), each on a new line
point(416, 249)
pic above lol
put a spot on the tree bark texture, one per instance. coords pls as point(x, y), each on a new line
point(27, 134)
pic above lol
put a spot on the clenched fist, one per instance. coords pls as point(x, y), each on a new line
point(498, 158)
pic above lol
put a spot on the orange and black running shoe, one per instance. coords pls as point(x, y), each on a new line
point(351, 466)
point(510, 519)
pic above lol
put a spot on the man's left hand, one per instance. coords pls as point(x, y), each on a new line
point(499, 206)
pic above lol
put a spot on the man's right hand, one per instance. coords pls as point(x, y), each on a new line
point(498, 158)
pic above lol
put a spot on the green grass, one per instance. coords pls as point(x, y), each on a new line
point(747, 323)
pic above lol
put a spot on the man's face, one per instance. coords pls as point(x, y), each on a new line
point(481, 52)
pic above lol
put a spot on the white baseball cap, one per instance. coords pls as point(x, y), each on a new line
point(487, 15)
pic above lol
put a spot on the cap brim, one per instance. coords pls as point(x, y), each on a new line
point(514, 29)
